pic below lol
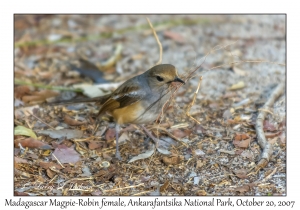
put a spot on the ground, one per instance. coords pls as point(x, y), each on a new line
point(214, 151)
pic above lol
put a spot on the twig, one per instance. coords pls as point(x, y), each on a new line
point(264, 144)
point(58, 160)
point(268, 177)
point(193, 101)
point(40, 119)
point(265, 110)
point(158, 42)
point(122, 188)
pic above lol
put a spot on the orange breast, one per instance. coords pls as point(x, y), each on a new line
point(127, 114)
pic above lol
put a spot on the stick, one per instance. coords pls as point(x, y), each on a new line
point(158, 42)
point(262, 141)
point(193, 101)
point(122, 188)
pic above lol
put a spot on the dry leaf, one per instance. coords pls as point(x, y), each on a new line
point(124, 137)
point(239, 71)
point(21, 130)
point(242, 144)
point(145, 155)
point(65, 154)
point(201, 193)
point(50, 173)
point(90, 90)
point(39, 96)
point(19, 160)
point(95, 144)
point(178, 133)
point(20, 91)
point(63, 133)
point(271, 135)
point(245, 188)
point(268, 126)
point(70, 121)
point(32, 143)
point(47, 165)
point(237, 86)
point(164, 187)
point(241, 173)
point(241, 136)
point(272, 141)
point(242, 140)
point(163, 150)
point(282, 139)
point(173, 160)
point(110, 134)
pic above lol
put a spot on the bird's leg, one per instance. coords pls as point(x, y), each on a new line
point(156, 140)
point(117, 142)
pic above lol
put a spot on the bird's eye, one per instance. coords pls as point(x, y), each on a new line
point(159, 78)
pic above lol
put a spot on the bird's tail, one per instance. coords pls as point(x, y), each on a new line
point(100, 99)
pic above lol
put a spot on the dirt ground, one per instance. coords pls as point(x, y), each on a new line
point(61, 57)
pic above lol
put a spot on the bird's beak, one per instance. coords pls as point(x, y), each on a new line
point(177, 79)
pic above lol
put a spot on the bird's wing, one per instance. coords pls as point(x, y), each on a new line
point(125, 95)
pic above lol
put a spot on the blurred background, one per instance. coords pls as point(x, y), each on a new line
point(47, 45)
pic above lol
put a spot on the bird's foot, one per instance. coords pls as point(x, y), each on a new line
point(118, 155)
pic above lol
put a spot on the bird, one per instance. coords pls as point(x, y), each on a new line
point(138, 100)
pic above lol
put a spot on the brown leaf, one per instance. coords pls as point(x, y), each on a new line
point(20, 160)
point(70, 121)
point(245, 188)
point(272, 141)
point(236, 120)
point(201, 193)
point(241, 173)
point(39, 96)
point(164, 187)
point(242, 143)
point(175, 36)
point(271, 135)
point(32, 143)
point(282, 139)
point(50, 173)
point(20, 91)
point(173, 160)
point(268, 126)
point(178, 133)
point(110, 134)
point(241, 136)
point(47, 165)
point(95, 144)
point(65, 154)
point(242, 189)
